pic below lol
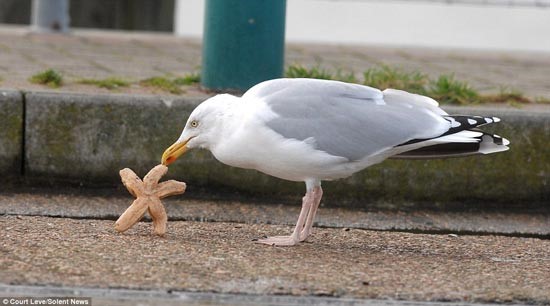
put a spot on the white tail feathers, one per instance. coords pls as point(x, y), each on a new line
point(493, 144)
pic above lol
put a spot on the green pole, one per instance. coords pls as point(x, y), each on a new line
point(243, 43)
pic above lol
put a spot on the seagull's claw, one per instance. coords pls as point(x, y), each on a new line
point(278, 240)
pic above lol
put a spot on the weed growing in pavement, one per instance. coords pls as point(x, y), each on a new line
point(388, 77)
point(445, 89)
point(109, 83)
point(49, 77)
point(508, 95)
point(162, 83)
point(188, 79)
point(297, 71)
point(542, 100)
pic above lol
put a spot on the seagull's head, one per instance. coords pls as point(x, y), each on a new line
point(202, 128)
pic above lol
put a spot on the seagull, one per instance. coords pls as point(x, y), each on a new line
point(312, 130)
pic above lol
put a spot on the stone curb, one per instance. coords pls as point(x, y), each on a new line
point(11, 134)
point(124, 297)
point(88, 138)
point(85, 139)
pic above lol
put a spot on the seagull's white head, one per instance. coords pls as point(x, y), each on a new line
point(203, 127)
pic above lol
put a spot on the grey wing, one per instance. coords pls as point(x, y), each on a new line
point(348, 120)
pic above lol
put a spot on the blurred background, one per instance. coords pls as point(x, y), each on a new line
point(473, 24)
point(139, 15)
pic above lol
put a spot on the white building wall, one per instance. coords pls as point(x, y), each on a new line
point(518, 25)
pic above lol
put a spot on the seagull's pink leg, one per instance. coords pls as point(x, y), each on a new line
point(317, 195)
point(307, 202)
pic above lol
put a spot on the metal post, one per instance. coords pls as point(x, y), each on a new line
point(243, 43)
point(50, 15)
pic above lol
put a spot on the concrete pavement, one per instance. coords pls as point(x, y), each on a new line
point(63, 243)
point(108, 204)
point(135, 56)
point(221, 257)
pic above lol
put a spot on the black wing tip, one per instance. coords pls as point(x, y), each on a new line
point(486, 144)
point(464, 122)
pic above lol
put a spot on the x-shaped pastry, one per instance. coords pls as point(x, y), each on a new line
point(148, 193)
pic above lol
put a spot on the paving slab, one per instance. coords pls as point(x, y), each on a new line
point(221, 257)
point(135, 56)
point(110, 204)
point(211, 259)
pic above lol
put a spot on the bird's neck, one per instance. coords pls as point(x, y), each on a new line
point(227, 117)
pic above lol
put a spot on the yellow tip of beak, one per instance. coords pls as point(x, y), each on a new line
point(173, 152)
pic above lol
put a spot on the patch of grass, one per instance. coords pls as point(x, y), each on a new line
point(383, 77)
point(297, 71)
point(172, 85)
point(388, 77)
point(346, 77)
point(49, 77)
point(542, 100)
point(163, 84)
point(507, 95)
point(188, 79)
point(447, 90)
point(109, 83)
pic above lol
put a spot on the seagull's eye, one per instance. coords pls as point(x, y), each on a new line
point(194, 123)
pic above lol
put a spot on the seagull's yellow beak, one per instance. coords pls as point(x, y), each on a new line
point(173, 152)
